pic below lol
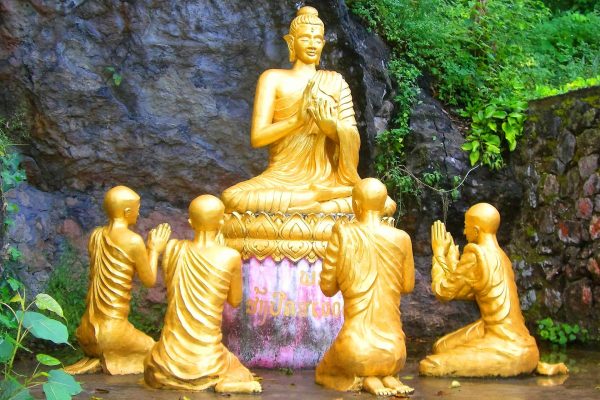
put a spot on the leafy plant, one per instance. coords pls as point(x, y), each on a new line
point(560, 333)
point(18, 321)
point(486, 58)
point(114, 76)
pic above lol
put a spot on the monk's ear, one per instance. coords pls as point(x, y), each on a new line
point(126, 211)
point(289, 39)
point(190, 222)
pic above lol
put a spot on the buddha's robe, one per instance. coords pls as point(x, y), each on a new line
point(366, 266)
point(305, 157)
point(104, 331)
point(497, 344)
point(189, 354)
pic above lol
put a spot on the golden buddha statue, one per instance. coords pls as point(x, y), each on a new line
point(306, 117)
point(200, 275)
point(372, 265)
point(499, 343)
point(116, 253)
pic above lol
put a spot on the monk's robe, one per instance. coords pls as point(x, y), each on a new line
point(104, 331)
point(366, 266)
point(305, 157)
point(189, 354)
point(498, 343)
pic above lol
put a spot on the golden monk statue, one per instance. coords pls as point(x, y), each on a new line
point(116, 253)
point(306, 117)
point(372, 265)
point(200, 275)
point(498, 344)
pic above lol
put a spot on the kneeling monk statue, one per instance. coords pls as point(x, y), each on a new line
point(200, 275)
point(372, 265)
point(499, 343)
point(116, 253)
point(306, 117)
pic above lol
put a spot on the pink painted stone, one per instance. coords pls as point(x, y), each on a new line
point(584, 208)
point(595, 227)
point(284, 319)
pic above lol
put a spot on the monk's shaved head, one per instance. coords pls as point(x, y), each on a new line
point(485, 216)
point(370, 194)
point(118, 199)
point(206, 212)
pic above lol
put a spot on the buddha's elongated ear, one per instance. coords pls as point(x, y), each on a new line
point(289, 39)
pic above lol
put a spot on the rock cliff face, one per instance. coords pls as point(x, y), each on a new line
point(556, 236)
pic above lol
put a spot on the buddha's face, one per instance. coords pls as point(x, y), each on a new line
point(308, 43)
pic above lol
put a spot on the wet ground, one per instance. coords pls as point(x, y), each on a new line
point(582, 383)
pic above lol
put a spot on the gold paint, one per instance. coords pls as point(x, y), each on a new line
point(306, 118)
point(372, 265)
point(280, 236)
point(200, 275)
point(116, 253)
point(498, 344)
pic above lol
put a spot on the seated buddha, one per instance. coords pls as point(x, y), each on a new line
point(306, 117)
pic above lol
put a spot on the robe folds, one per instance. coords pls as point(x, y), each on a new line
point(104, 331)
point(365, 265)
point(305, 157)
point(189, 354)
point(498, 343)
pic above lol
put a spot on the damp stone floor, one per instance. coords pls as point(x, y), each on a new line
point(582, 383)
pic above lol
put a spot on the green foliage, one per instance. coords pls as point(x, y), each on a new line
point(68, 285)
point(484, 58)
point(114, 76)
point(560, 333)
point(18, 321)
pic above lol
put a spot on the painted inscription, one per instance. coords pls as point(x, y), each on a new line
point(284, 319)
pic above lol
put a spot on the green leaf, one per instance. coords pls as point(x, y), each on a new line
point(14, 284)
point(572, 337)
point(43, 327)
point(117, 78)
point(45, 359)
point(61, 384)
point(16, 298)
point(499, 114)
point(467, 146)
point(474, 157)
point(6, 350)
point(492, 125)
point(10, 389)
point(7, 322)
point(46, 302)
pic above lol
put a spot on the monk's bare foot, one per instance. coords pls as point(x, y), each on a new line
point(84, 366)
point(373, 385)
point(325, 193)
point(238, 387)
point(551, 369)
point(393, 383)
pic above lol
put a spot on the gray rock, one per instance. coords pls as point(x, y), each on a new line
point(566, 147)
point(588, 165)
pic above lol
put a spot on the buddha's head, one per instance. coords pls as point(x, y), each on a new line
point(122, 202)
point(206, 213)
point(481, 218)
point(368, 195)
point(306, 37)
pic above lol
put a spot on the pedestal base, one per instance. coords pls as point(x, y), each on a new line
point(284, 321)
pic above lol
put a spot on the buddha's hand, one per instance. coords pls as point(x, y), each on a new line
point(441, 240)
point(302, 115)
point(158, 237)
point(325, 114)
